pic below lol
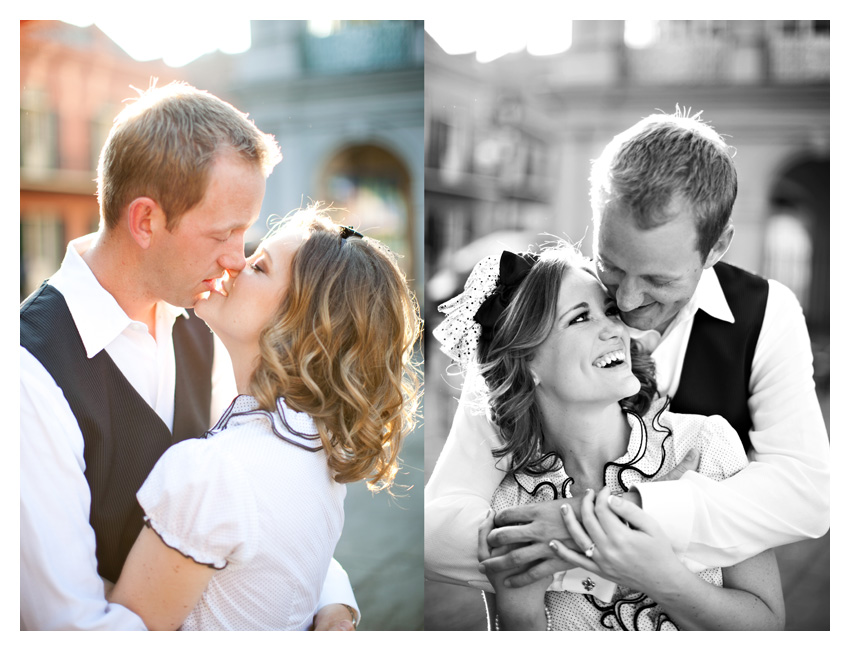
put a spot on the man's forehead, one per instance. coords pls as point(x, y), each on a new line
point(657, 251)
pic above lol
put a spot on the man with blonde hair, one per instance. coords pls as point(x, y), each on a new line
point(114, 368)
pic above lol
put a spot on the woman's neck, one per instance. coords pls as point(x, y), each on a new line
point(244, 359)
point(586, 437)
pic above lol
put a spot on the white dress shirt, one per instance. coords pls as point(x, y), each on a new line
point(60, 586)
point(782, 496)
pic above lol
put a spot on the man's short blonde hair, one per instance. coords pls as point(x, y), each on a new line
point(163, 144)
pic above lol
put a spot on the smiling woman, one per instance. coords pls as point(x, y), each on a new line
point(578, 419)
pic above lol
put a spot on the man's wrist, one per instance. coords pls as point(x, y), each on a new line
point(633, 495)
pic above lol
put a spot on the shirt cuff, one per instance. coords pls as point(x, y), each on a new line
point(671, 505)
point(337, 589)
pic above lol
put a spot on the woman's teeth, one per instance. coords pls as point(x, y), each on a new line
point(611, 359)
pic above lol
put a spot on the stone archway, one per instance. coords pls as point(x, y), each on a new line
point(373, 185)
point(797, 248)
point(800, 205)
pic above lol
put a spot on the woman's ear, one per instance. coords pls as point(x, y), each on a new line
point(143, 217)
point(535, 378)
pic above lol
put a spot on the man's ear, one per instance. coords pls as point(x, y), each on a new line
point(720, 247)
point(144, 216)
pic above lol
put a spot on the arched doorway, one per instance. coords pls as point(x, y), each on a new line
point(797, 247)
point(374, 187)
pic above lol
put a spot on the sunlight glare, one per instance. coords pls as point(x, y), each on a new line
point(495, 38)
point(177, 42)
point(550, 37)
point(450, 35)
point(498, 37)
point(639, 34)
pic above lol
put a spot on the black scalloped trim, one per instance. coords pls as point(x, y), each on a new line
point(610, 613)
point(231, 412)
point(613, 618)
point(642, 448)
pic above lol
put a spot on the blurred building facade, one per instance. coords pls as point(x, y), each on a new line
point(343, 98)
point(345, 101)
point(73, 80)
point(509, 143)
point(508, 150)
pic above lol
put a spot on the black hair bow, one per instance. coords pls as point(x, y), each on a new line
point(513, 268)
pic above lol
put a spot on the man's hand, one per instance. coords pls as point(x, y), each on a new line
point(690, 462)
point(626, 545)
point(526, 530)
point(333, 617)
point(519, 609)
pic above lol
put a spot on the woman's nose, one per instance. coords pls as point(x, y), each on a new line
point(612, 327)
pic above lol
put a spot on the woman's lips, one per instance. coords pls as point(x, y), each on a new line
point(217, 284)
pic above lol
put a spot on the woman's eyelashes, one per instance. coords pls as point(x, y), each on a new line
point(611, 311)
point(257, 266)
point(579, 318)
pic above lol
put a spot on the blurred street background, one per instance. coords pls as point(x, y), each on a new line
point(344, 100)
point(514, 113)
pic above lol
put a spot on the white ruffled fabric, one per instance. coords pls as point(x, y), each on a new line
point(658, 443)
point(458, 334)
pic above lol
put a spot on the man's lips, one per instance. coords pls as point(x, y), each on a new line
point(217, 284)
point(640, 309)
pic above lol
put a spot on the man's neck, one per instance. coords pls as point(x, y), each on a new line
point(117, 270)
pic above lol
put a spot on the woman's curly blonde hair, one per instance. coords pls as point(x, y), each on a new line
point(341, 349)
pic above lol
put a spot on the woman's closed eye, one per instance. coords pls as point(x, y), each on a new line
point(256, 266)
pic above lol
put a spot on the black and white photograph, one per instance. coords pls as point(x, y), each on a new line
point(627, 325)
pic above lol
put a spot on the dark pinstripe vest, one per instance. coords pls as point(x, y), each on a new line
point(123, 436)
point(719, 358)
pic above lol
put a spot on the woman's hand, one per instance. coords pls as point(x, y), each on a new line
point(519, 609)
point(628, 547)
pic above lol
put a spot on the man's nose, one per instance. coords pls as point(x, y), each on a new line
point(234, 258)
point(629, 296)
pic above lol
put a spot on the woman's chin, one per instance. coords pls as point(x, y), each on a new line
point(631, 386)
point(205, 311)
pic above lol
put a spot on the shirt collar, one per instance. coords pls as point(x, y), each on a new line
point(709, 297)
point(98, 317)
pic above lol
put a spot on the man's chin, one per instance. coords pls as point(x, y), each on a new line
point(645, 321)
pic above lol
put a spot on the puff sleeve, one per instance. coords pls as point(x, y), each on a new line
point(201, 503)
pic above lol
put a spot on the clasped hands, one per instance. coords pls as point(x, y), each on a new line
point(532, 542)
